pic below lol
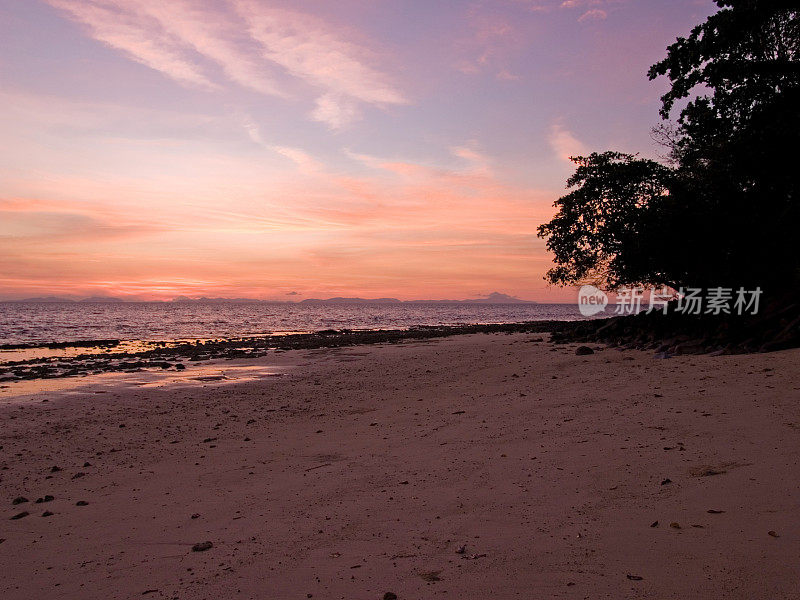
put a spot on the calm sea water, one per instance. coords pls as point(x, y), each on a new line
point(151, 321)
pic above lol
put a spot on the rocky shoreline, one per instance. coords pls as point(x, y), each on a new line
point(173, 355)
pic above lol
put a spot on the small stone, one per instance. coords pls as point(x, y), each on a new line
point(675, 525)
point(196, 516)
point(202, 547)
point(772, 533)
point(654, 524)
point(390, 596)
point(81, 503)
point(583, 351)
point(47, 513)
point(634, 577)
point(78, 475)
point(19, 500)
point(667, 481)
point(21, 515)
point(55, 469)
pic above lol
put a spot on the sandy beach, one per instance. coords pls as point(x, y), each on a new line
point(470, 467)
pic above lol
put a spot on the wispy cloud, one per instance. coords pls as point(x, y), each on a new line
point(139, 37)
point(591, 10)
point(594, 14)
point(564, 143)
point(301, 158)
point(307, 48)
point(255, 46)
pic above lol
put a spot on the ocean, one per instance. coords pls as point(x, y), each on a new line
point(35, 323)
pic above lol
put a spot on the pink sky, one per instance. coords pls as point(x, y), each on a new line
point(303, 149)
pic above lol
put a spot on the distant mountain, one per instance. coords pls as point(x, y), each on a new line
point(44, 299)
point(102, 299)
point(493, 298)
point(227, 300)
point(340, 300)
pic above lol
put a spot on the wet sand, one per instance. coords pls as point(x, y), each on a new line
point(470, 467)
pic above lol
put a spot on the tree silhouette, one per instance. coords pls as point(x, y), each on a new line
point(725, 211)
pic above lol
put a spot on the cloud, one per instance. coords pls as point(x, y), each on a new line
point(301, 158)
point(138, 37)
point(594, 14)
point(504, 75)
point(492, 39)
point(214, 35)
point(478, 162)
point(308, 49)
point(564, 143)
point(272, 51)
point(592, 10)
point(334, 110)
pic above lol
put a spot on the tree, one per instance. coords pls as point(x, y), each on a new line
point(726, 211)
point(600, 231)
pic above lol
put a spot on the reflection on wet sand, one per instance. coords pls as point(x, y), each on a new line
point(211, 373)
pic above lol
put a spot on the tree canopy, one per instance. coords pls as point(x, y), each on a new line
point(725, 210)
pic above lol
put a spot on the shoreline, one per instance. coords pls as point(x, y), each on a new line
point(474, 466)
point(138, 356)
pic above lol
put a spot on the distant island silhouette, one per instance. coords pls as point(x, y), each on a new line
point(493, 298)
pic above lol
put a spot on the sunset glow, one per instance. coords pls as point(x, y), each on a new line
point(285, 150)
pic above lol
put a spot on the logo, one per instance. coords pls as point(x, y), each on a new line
point(591, 300)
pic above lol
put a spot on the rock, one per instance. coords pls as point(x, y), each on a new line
point(19, 500)
point(47, 513)
point(667, 481)
point(583, 351)
point(81, 503)
point(389, 596)
point(634, 577)
point(55, 469)
point(202, 547)
point(21, 515)
point(78, 475)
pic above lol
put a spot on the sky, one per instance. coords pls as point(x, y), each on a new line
point(284, 150)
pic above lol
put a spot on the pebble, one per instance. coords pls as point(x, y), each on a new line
point(202, 547)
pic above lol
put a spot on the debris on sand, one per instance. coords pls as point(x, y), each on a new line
point(202, 547)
